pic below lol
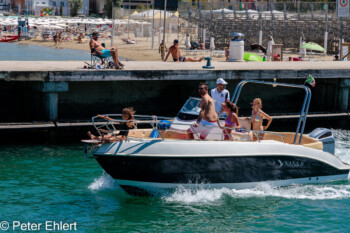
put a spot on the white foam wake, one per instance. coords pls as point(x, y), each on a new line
point(312, 192)
point(104, 182)
point(342, 144)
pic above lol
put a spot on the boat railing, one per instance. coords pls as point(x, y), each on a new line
point(108, 126)
point(304, 110)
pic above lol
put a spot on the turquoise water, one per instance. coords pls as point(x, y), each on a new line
point(56, 183)
point(25, 52)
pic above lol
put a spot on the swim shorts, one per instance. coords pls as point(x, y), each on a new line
point(181, 59)
point(106, 53)
point(203, 129)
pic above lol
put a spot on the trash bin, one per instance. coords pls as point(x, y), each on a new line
point(236, 46)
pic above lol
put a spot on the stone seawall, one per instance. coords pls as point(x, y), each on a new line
point(59, 91)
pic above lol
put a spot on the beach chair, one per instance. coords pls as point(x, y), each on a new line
point(97, 60)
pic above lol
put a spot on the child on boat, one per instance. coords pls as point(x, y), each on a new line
point(127, 115)
point(231, 121)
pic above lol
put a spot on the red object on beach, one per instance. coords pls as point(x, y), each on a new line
point(8, 38)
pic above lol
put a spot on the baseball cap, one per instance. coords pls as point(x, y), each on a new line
point(176, 41)
point(221, 81)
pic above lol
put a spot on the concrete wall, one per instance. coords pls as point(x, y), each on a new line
point(35, 100)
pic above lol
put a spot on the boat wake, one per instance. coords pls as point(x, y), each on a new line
point(312, 192)
point(342, 146)
point(104, 182)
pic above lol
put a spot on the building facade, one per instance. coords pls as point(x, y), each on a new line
point(35, 7)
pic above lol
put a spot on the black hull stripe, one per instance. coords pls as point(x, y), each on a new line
point(214, 170)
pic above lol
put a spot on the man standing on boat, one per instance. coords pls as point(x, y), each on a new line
point(219, 93)
point(207, 117)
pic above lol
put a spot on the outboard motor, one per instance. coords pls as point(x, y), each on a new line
point(326, 137)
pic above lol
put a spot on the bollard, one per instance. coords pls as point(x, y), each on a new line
point(208, 66)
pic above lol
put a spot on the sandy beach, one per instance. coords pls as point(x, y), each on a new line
point(142, 51)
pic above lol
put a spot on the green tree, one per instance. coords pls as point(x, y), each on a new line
point(141, 7)
point(75, 6)
point(117, 3)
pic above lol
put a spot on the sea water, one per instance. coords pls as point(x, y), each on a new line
point(26, 52)
point(56, 184)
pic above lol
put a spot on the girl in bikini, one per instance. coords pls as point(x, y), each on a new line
point(127, 115)
point(231, 120)
point(257, 118)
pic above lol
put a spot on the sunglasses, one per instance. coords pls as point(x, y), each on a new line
point(201, 88)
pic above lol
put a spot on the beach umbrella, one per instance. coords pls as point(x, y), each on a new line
point(212, 43)
point(252, 57)
point(313, 46)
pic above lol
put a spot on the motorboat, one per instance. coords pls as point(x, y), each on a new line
point(160, 158)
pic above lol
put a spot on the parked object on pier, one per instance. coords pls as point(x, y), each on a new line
point(236, 52)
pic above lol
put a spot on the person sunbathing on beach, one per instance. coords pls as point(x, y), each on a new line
point(80, 38)
point(100, 50)
point(174, 50)
point(127, 115)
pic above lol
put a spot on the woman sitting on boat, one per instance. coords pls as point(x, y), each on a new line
point(231, 120)
point(257, 118)
point(127, 115)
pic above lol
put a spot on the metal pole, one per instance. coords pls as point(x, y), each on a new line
point(153, 30)
point(129, 19)
point(160, 27)
point(112, 24)
point(326, 30)
point(178, 26)
point(163, 48)
point(341, 38)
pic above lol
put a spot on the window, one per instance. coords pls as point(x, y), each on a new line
point(43, 3)
point(54, 3)
point(62, 4)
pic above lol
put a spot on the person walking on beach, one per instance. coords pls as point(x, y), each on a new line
point(207, 117)
point(100, 50)
point(174, 50)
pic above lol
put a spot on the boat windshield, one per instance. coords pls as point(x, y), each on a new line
point(192, 106)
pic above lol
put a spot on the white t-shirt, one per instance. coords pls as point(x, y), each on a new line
point(220, 97)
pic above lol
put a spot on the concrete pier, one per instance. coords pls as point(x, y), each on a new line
point(34, 91)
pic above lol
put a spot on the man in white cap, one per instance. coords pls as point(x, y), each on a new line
point(219, 93)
